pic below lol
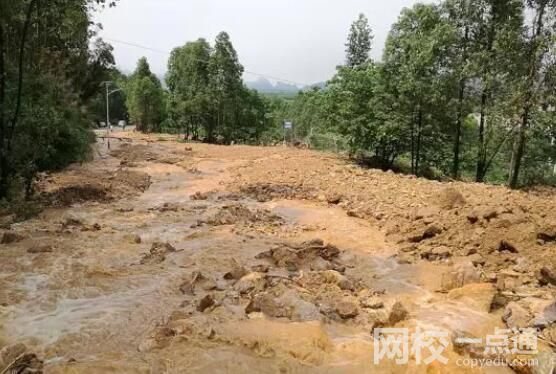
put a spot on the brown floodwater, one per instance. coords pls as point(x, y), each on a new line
point(90, 306)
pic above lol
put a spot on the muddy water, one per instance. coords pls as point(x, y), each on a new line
point(91, 306)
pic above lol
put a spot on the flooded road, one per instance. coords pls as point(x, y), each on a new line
point(194, 276)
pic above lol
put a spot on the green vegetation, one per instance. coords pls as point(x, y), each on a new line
point(465, 89)
point(51, 69)
point(207, 97)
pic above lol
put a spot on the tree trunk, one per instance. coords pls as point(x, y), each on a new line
point(418, 145)
point(3, 158)
point(481, 154)
point(413, 144)
point(21, 66)
point(534, 62)
point(457, 140)
point(518, 150)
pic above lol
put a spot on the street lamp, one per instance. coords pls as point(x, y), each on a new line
point(108, 93)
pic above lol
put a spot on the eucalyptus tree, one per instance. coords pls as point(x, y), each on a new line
point(538, 63)
point(145, 98)
point(359, 42)
point(50, 68)
point(415, 52)
point(225, 84)
point(188, 84)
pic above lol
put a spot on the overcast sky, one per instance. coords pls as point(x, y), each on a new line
point(296, 40)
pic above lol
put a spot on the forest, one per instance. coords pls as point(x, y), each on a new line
point(465, 90)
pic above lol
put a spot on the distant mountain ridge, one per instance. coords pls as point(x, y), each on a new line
point(263, 85)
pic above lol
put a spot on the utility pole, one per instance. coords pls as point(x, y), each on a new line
point(108, 93)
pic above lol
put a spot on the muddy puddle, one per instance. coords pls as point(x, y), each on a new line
point(160, 282)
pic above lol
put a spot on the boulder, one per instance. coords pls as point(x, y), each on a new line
point(9, 237)
point(479, 296)
point(252, 282)
point(449, 198)
point(462, 274)
point(515, 316)
point(205, 303)
point(547, 276)
point(347, 308)
point(506, 246)
point(40, 249)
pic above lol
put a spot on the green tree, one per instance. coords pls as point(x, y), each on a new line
point(359, 42)
point(538, 58)
point(188, 85)
point(145, 98)
point(48, 75)
point(225, 83)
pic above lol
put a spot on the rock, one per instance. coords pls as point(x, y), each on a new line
point(137, 239)
point(157, 253)
point(262, 268)
point(9, 237)
point(462, 275)
point(508, 280)
point(516, 316)
point(159, 247)
point(251, 282)
point(372, 302)
point(10, 353)
point(205, 303)
point(506, 246)
point(347, 308)
point(489, 213)
point(15, 359)
point(198, 280)
point(449, 198)
point(426, 213)
point(547, 234)
point(396, 313)
point(479, 296)
point(476, 259)
point(40, 249)
point(547, 276)
point(463, 346)
point(334, 277)
point(437, 253)
point(544, 312)
point(430, 232)
point(334, 199)
point(405, 258)
point(287, 304)
point(473, 217)
point(236, 273)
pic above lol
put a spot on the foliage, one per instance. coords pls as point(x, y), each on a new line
point(145, 98)
point(207, 97)
point(51, 67)
point(465, 87)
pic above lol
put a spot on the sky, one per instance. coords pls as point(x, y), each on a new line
point(300, 41)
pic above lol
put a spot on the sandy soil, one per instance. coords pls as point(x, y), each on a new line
point(164, 257)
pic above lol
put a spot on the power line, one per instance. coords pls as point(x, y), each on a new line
point(168, 54)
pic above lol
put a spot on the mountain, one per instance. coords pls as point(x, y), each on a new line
point(263, 85)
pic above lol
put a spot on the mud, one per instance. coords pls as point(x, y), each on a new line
point(160, 257)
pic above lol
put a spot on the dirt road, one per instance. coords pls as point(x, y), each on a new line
point(160, 256)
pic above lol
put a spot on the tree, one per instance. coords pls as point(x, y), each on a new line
point(145, 98)
point(225, 82)
point(359, 42)
point(539, 41)
point(415, 51)
point(48, 74)
point(188, 85)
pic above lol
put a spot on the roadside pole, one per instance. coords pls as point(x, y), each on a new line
point(108, 93)
point(107, 114)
